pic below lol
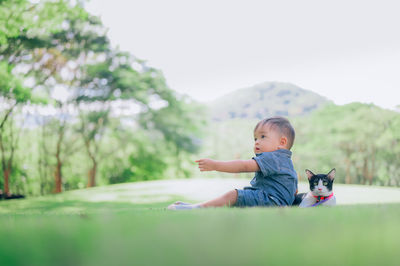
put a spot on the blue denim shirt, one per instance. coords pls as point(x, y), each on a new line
point(276, 176)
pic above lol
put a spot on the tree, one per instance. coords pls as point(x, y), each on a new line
point(93, 125)
point(20, 22)
point(360, 140)
point(81, 36)
point(52, 47)
point(114, 80)
point(181, 124)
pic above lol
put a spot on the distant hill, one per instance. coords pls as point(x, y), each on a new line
point(266, 99)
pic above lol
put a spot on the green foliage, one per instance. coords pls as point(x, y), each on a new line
point(10, 86)
point(137, 155)
point(229, 140)
point(142, 166)
point(181, 124)
point(358, 139)
point(21, 17)
point(178, 122)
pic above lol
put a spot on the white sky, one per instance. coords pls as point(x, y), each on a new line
point(346, 50)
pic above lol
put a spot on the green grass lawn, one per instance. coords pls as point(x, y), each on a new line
point(68, 229)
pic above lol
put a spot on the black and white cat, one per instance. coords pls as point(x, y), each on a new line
point(320, 191)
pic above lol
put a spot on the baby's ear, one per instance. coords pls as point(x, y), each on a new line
point(331, 174)
point(283, 142)
point(309, 174)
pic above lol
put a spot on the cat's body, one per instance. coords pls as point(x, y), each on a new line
point(320, 191)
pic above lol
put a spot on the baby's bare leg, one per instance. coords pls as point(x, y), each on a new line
point(228, 199)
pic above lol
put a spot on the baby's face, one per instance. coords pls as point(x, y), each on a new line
point(266, 139)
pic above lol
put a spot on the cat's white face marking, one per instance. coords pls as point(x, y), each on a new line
point(321, 189)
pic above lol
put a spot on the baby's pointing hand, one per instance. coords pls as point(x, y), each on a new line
point(206, 164)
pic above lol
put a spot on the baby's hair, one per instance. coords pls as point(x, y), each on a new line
point(282, 124)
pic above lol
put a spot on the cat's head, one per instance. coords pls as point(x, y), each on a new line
point(320, 184)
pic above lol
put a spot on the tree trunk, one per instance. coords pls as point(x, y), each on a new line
point(178, 165)
point(348, 177)
point(7, 168)
point(58, 171)
point(372, 172)
point(6, 173)
point(58, 177)
point(365, 172)
point(92, 174)
point(8, 113)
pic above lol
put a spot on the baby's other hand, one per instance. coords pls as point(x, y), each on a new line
point(206, 164)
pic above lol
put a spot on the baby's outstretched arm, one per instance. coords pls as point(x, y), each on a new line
point(237, 166)
point(229, 198)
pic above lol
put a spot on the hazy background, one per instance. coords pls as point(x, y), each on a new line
point(344, 50)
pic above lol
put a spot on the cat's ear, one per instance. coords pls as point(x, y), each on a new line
point(309, 174)
point(331, 174)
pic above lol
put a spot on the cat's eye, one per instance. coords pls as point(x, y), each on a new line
point(325, 183)
point(316, 183)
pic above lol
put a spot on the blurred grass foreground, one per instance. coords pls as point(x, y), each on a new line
point(127, 224)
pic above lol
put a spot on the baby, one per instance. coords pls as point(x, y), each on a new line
point(275, 181)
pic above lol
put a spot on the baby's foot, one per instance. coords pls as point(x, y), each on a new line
point(181, 203)
point(184, 206)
